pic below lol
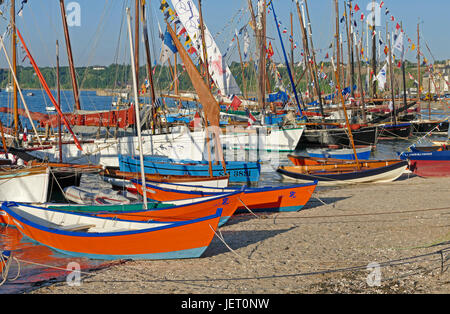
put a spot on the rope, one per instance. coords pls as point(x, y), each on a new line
point(223, 241)
point(5, 265)
point(248, 209)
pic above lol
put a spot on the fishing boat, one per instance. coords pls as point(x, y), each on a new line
point(122, 179)
point(393, 131)
point(88, 236)
point(178, 210)
point(264, 199)
point(341, 153)
point(431, 161)
point(243, 172)
point(25, 184)
point(362, 135)
point(368, 171)
point(40, 182)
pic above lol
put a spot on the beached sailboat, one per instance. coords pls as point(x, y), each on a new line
point(177, 210)
point(108, 238)
point(265, 199)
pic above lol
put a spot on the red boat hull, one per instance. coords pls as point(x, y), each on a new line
point(430, 168)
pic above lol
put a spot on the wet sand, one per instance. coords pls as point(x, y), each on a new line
point(403, 226)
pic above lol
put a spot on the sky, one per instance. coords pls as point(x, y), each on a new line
point(101, 36)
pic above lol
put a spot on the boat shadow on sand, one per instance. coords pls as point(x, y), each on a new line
point(239, 239)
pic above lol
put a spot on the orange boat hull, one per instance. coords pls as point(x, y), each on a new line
point(229, 205)
point(285, 198)
point(186, 239)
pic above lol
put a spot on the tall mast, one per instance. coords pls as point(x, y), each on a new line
point(14, 65)
point(310, 67)
point(136, 40)
point(242, 67)
point(149, 66)
point(208, 83)
point(205, 55)
point(338, 45)
point(292, 46)
point(403, 72)
point(361, 89)
point(391, 74)
point(136, 108)
point(76, 95)
point(262, 57)
point(419, 92)
point(313, 54)
point(287, 62)
point(59, 102)
point(374, 51)
point(350, 48)
point(338, 85)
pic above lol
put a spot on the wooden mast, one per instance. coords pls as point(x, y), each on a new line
point(58, 90)
point(313, 54)
point(351, 63)
point(14, 65)
point(310, 67)
point(338, 84)
point(292, 45)
point(391, 75)
point(242, 67)
point(419, 79)
point(149, 69)
point(204, 49)
point(403, 72)
point(136, 108)
point(361, 89)
point(374, 51)
point(76, 95)
point(208, 83)
point(136, 40)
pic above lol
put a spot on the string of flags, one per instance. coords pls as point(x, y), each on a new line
point(171, 17)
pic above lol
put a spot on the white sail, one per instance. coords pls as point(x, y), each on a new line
point(220, 73)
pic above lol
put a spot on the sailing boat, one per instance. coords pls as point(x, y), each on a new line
point(343, 172)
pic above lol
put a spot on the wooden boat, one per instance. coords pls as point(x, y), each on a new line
point(342, 153)
point(24, 184)
point(428, 161)
point(346, 173)
point(90, 196)
point(265, 199)
point(243, 172)
point(299, 160)
point(363, 135)
point(122, 178)
point(162, 211)
point(107, 238)
point(425, 126)
point(393, 131)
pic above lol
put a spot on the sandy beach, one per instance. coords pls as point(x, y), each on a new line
point(402, 227)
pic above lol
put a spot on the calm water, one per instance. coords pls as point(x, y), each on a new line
point(40, 265)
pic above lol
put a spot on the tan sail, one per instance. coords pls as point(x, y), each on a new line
point(210, 106)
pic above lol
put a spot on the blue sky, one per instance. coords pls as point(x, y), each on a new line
point(96, 40)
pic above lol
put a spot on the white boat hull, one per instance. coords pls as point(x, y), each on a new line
point(177, 145)
point(25, 186)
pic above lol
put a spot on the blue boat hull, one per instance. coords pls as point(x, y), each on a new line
point(240, 172)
